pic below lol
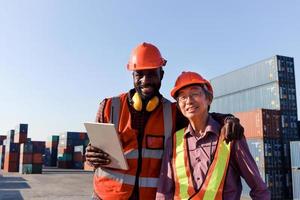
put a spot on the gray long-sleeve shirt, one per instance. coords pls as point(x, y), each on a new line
point(201, 151)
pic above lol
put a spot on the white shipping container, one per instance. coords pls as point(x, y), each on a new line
point(295, 154)
point(296, 183)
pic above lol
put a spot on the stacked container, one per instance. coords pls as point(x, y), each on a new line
point(2, 154)
point(295, 163)
point(2, 137)
point(262, 131)
point(78, 157)
point(38, 148)
point(11, 160)
point(67, 142)
point(26, 152)
point(21, 133)
point(51, 151)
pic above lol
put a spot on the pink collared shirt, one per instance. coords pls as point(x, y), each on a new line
point(201, 152)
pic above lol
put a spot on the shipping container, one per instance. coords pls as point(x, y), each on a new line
point(260, 123)
point(2, 156)
point(37, 158)
point(26, 148)
point(65, 164)
point(25, 158)
point(2, 137)
point(296, 183)
point(10, 136)
point(20, 138)
point(31, 169)
point(22, 128)
point(38, 147)
point(12, 147)
point(11, 162)
point(295, 154)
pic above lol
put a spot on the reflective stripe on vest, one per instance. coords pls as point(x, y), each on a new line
point(114, 111)
point(214, 181)
point(126, 178)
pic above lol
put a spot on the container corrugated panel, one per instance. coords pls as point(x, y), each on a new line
point(53, 138)
point(265, 96)
point(25, 158)
point(64, 157)
point(39, 147)
point(78, 165)
point(20, 138)
point(78, 157)
point(260, 73)
point(12, 147)
point(25, 168)
point(2, 137)
point(2, 156)
point(256, 147)
point(10, 136)
point(11, 162)
point(65, 164)
point(295, 154)
point(37, 158)
point(69, 135)
point(26, 148)
point(296, 183)
point(22, 128)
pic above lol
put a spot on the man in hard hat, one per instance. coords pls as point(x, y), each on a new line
point(197, 162)
point(144, 120)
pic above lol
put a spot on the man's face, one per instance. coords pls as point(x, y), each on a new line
point(193, 102)
point(147, 82)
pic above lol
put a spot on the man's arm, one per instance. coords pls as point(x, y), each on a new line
point(249, 170)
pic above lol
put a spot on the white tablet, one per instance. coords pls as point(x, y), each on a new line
point(105, 137)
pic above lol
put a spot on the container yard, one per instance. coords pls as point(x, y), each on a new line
point(30, 168)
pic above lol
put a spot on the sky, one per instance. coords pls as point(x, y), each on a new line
point(59, 59)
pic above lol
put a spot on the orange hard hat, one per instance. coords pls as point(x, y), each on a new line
point(190, 78)
point(145, 56)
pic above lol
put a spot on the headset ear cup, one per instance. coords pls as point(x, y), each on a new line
point(152, 104)
point(137, 102)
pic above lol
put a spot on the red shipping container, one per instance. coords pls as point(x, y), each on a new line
point(260, 123)
point(26, 158)
point(37, 158)
point(65, 164)
point(12, 157)
point(20, 138)
point(10, 166)
point(82, 136)
point(78, 157)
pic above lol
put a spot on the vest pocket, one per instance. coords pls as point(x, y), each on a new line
point(155, 142)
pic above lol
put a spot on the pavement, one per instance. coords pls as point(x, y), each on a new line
point(53, 183)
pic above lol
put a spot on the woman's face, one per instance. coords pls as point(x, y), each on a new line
point(193, 102)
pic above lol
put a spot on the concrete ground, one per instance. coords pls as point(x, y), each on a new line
point(59, 184)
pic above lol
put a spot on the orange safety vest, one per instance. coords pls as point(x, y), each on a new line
point(115, 184)
point(212, 188)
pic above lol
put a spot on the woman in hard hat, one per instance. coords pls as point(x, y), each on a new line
point(198, 163)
